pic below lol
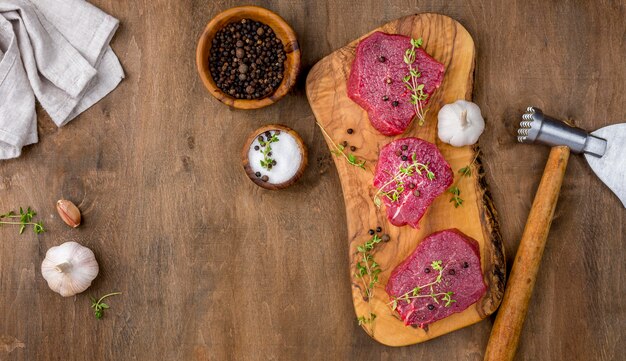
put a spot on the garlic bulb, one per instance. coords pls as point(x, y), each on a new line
point(69, 268)
point(460, 123)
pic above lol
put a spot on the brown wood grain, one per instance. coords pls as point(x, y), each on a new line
point(214, 268)
point(507, 328)
point(450, 44)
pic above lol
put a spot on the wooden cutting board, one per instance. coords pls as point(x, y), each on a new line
point(448, 42)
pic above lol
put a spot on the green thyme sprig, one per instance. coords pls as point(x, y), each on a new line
point(454, 190)
point(416, 292)
point(267, 161)
point(398, 178)
point(25, 219)
point(365, 320)
point(367, 271)
point(411, 81)
point(99, 306)
point(339, 151)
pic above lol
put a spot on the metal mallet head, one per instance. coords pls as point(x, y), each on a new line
point(537, 127)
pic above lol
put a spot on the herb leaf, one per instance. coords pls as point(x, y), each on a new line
point(99, 306)
point(411, 81)
point(25, 219)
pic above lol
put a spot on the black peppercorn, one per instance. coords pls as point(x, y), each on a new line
point(452, 272)
point(265, 178)
point(350, 130)
point(404, 157)
point(345, 143)
point(274, 162)
point(385, 238)
point(256, 147)
point(395, 103)
point(382, 59)
point(426, 270)
point(379, 229)
point(465, 264)
point(235, 48)
point(260, 138)
point(431, 307)
point(385, 98)
point(411, 186)
point(371, 232)
point(416, 193)
point(258, 174)
point(352, 148)
point(405, 147)
point(398, 152)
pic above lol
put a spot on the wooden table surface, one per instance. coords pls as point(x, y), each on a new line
point(214, 268)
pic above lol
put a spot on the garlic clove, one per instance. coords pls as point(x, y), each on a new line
point(69, 268)
point(69, 213)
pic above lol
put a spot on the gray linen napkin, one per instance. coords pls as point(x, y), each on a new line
point(57, 51)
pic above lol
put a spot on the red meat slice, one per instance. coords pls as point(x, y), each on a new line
point(419, 191)
point(461, 275)
point(380, 59)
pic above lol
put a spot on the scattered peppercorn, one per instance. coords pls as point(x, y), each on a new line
point(431, 307)
point(398, 152)
point(350, 130)
point(405, 147)
point(257, 174)
point(395, 103)
point(385, 98)
point(274, 162)
point(382, 59)
point(404, 157)
point(247, 59)
point(385, 238)
point(411, 186)
point(426, 270)
point(352, 148)
point(256, 147)
point(452, 272)
point(465, 264)
point(379, 229)
point(265, 178)
point(416, 193)
point(345, 143)
point(371, 232)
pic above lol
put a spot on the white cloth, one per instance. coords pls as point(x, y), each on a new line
point(58, 52)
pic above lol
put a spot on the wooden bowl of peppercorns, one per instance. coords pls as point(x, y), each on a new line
point(248, 57)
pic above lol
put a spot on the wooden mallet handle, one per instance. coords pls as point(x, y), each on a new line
point(510, 319)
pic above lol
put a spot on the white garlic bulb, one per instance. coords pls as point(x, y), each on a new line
point(69, 268)
point(460, 123)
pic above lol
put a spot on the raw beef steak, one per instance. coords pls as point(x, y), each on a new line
point(460, 274)
point(376, 84)
point(417, 190)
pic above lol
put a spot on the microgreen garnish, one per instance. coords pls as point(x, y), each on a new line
point(454, 189)
point(416, 292)
point(339, 151)
point(410, 81)
point(398, 178)
point(26, 219)
point(99, 306)
point(267, 161)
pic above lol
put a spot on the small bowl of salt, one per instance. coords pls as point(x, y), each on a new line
point(274, 156)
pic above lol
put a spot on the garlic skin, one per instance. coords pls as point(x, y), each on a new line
point(460, 123)
point(69, 268)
